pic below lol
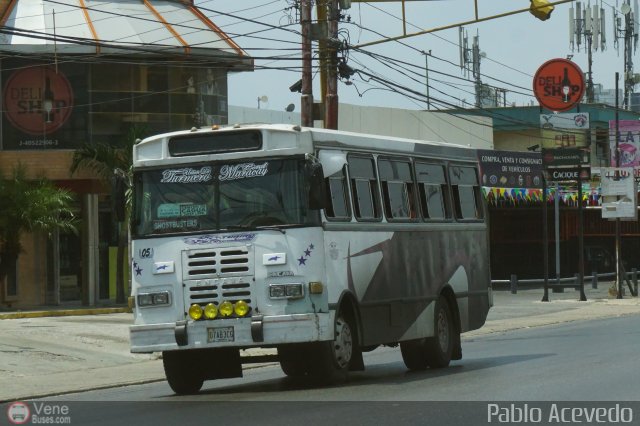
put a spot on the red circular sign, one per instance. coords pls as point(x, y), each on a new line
point(558, 84)
point(38, 100)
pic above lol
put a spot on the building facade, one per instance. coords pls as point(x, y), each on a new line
point(88, 73)
point(516, 223)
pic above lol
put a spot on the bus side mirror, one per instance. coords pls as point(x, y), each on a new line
point(317, 189)
point(118, 196)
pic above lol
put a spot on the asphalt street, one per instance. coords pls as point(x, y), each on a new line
point(44, 356)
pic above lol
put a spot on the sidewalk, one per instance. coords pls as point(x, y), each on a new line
point(49, 355)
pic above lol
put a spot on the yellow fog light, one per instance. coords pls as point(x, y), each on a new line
point(195, 311)
point(315, 287)
point(225, 309)
point(241, 308)
point(210, 311)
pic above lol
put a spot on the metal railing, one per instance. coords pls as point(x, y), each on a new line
point(559, 284)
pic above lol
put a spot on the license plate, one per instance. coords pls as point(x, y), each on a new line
point(220, 334)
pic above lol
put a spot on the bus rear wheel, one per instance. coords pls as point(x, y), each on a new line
point(435, 351)
point(182, 373)
point(439, 348)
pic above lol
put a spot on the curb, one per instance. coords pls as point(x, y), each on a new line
point(63, 313)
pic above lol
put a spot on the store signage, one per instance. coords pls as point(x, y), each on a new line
point(37, 100)
point(619, 193)
point(563, 157)
point(558, 84)
point(510, 169)
point(565, 120)
point(617, 181)
point(628, 142)
point(564, 129)
point(569, 174)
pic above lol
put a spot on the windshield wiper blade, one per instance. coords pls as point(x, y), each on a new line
point(239, 227)
point(273, 227)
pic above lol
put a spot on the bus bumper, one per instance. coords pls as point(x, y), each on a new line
point(246, 332)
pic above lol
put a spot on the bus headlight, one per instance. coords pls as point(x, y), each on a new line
point(225, 309)
point(210, 311)
point(195, 312)
point(241, 308)
point(153, 299)
point(286, 291)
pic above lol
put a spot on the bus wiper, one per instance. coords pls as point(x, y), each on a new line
point(273, 227)
point(239, 227)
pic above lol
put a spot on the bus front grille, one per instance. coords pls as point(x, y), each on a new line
point(216, 263)
point(217, 275)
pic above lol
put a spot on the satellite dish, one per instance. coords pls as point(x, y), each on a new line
point(625, 8)
point(264, 98)
point(290, 108)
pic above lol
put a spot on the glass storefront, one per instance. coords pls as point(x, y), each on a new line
point(69, 104)
point(63, 107)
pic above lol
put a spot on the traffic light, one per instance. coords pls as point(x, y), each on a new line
point(541, 9)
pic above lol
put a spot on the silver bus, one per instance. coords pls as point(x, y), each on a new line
point(317, 244)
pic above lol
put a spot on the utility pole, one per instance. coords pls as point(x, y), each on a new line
point(331, 99)
point(587, 23)
point(426, 76)
point(306, 101)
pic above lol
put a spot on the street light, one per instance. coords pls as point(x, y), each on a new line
point(263, 99)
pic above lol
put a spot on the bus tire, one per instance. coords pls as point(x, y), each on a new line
point(331, 360)
point(293, 360)
point(439, 348)
point(414, 354)
point(182, 373)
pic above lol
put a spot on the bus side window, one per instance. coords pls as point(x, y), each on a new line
point(397, 189)
point(466, 192)
point(337, 205)
point(433, 191)
point(364, 188)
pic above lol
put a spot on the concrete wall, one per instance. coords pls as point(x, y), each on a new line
point(424, 125)
point(517, 140)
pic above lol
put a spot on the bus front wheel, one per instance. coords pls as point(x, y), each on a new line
point(293, 360)
point(182, 373)
point(332, 359)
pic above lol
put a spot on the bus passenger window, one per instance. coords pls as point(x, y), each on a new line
point(397, 189)
point(433, 191)
point(466, 192)
point(364, 187)
point(337, 206)
point(365, 207)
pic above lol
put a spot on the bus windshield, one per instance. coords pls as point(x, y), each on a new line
point(221, 196)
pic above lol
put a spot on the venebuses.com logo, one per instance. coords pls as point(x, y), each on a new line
point(18, 413)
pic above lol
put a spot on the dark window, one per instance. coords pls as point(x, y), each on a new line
point(397, 189)
point(338, 203)
point(209, 143)
point(432, 187)
point(364, 188)
point(466, 192)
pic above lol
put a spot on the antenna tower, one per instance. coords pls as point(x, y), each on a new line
point(586, 24)
point(472, 56)
point(629, 33)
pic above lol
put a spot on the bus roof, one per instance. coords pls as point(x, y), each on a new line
point(292, 140)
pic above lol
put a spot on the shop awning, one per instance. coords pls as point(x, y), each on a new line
point(122, 27)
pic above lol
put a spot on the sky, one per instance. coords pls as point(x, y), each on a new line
point(512, 47)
